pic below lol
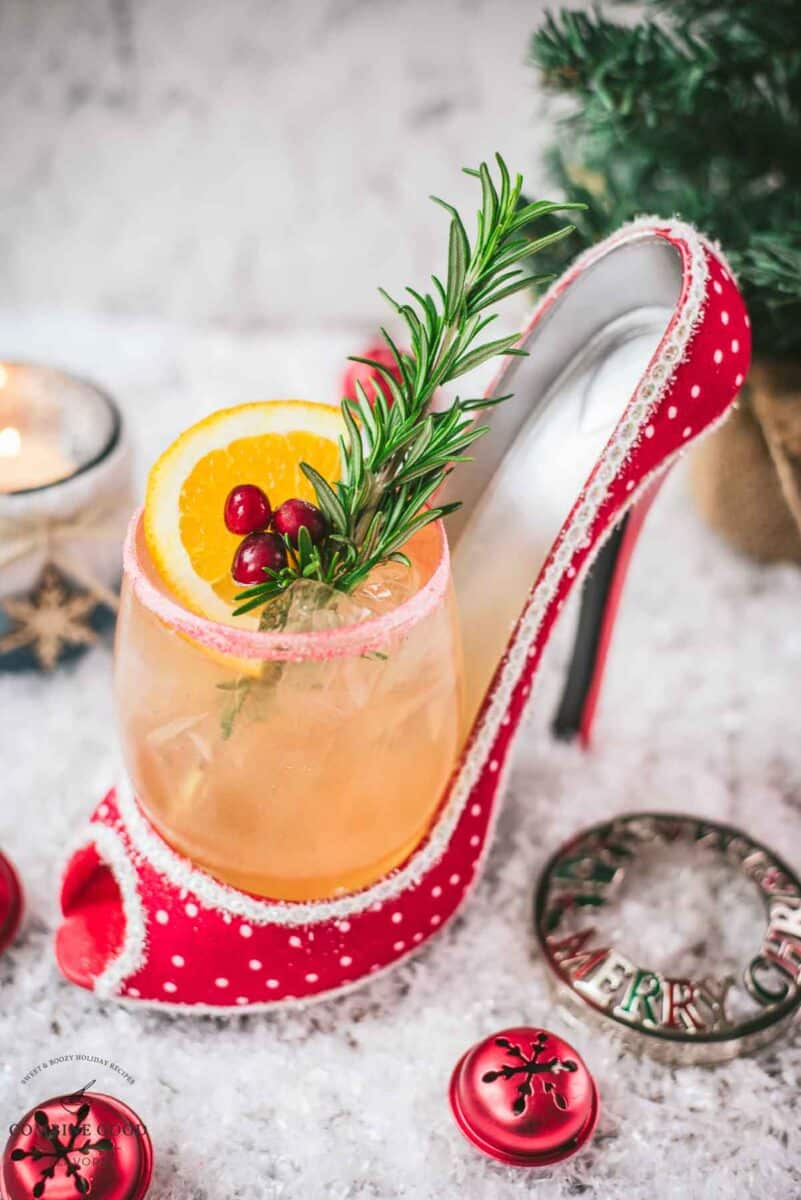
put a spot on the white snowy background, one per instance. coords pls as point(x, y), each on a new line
point(196, 203)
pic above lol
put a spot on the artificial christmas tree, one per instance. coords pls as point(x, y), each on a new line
point(695, 111)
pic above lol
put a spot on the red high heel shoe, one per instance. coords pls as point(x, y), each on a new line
point(636, 351)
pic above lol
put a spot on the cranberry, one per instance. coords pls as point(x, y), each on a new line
point(256, 553)
point(291, 516)
point(368, 376)
point(247, 509)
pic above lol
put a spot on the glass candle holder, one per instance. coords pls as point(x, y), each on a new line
point(291, 765)
point(65, 498)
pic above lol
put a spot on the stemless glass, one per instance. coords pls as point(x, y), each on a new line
point(290, 765)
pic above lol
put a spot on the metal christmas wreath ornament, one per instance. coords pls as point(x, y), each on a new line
point(687, 1020)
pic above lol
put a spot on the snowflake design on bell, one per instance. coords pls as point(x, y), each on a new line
point(69, 1153)
point(530, 1066)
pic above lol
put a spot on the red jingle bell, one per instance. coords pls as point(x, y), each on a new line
point(525, 1097)
point(85, 1144)
point(10, 903)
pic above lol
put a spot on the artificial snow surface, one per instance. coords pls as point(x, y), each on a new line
point(348, 1098)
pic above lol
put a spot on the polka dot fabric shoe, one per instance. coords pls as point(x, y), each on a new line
point(636, 351)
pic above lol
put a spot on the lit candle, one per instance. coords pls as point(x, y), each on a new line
point(30, 461)
point(30, 435)
point(65, 498)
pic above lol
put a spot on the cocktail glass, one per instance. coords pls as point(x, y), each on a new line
point(293, 765)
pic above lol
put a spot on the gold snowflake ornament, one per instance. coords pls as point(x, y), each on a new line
point(51, 618)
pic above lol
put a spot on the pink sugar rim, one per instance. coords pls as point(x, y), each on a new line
point(346, 641)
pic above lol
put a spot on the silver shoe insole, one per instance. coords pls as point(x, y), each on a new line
point(511, 527)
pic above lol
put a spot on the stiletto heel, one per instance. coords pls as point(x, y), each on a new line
point(584, 665)
point(600, 602)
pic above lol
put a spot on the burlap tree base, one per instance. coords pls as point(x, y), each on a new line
point(746, 478)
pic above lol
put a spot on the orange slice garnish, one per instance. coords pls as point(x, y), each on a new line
point(260, 443)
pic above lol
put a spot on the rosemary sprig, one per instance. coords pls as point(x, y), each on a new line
point(396, 456)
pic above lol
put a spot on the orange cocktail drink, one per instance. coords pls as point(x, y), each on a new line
point(301, 763)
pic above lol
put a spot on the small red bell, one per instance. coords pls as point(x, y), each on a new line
point(525, 1097)
point(86, 1144)
point(10, 902)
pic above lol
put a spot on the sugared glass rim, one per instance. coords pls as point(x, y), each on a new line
point(231, 641)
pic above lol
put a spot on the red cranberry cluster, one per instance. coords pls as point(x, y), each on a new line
point(248, 512)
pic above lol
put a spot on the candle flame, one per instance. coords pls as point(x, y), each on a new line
point(10, 442)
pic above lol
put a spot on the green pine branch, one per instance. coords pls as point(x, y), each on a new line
point(694, 113)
